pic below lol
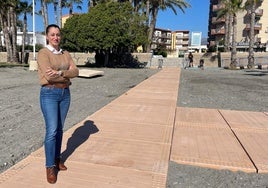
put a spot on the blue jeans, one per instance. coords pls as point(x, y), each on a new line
point(54, 104)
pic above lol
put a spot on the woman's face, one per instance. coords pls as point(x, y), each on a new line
point(53, 37)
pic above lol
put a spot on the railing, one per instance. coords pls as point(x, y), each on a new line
point(218, 7)
point(257, 26)
point(258, 12)
point(219, 20)
point(217, 31)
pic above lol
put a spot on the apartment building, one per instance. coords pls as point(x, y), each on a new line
point(161, 39)
point(170, 40)
point(180, 40)
point(216, 27)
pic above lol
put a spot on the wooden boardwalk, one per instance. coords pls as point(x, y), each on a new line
point(129, 142)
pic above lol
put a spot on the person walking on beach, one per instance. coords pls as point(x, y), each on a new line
point(55, 69)
point(191, 59)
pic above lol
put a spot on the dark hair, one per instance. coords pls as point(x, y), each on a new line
point(51, 25)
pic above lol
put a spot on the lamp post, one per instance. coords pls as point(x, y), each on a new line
point(33, 63)
point(34, 56)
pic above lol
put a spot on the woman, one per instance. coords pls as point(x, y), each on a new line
point(55, 68)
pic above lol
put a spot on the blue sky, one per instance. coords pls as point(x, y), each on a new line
point(194, 18)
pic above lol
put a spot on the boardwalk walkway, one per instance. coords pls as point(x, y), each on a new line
point(129, 142)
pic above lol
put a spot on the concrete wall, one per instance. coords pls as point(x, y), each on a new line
point(83, 58)
point(210, 59)
point(242, 58)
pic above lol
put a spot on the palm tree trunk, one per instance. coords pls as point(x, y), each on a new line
point(7, 40)
point(151, 28)
point(23, 38)
point(13, 25)
point(147, 12)
point(228, 28)
point(71, 9)
point(60, 13)
point(251, 37)
point(2, 26)
point(229, 31)
point(226, 40)
point(55, 4)
point(44, 13)
point(233, 64)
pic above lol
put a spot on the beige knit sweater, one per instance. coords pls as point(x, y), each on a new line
point(59, 62)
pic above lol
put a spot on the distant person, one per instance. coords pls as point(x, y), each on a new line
point(191, 59)
point(201, 64)
point(55, 68)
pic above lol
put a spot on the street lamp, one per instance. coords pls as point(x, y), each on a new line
point(33, 63)
point(34, 57)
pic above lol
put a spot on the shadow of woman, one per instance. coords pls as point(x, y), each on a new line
point(79, 136)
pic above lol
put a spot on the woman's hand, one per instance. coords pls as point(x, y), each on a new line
point(52, 73)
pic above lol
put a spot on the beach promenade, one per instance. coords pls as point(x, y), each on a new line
point(130, 141)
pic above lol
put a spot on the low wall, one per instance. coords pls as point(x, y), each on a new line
point(222, 59)
point(83, 58)
point(242, 58)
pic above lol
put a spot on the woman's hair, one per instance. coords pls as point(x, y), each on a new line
point(48, 27)
point(51, 25)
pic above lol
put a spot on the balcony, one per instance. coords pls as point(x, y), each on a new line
point(182, 37)
point(212, 43)
point(257, 27)
point(217, 7)
point(258, 12)
point(217, 31)
point(219, 20)
point(166, 36)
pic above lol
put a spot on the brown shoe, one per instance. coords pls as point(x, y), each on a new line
point(51, 175)
point(60, 165)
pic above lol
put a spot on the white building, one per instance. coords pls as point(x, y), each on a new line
point(40, 38)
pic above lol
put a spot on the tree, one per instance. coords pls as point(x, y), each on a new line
point(8, 21)
point(226, 13)
point(60, 13)
point(70, 3)
point(227, 35)
point(232, 7)
point(55, 8)
point(24, 8)
point(43, 12)
point(155, 5)
point(251, 5)
point(108, 29)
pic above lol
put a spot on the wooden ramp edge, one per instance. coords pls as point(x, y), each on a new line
point(202, 138)
point(251, 129)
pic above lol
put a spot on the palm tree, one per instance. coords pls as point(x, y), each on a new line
point(5, 27)
point(251, 5)
point(43, 12)
point(70, 4)
point(25, 9)
point(155, 5)
point(228, 28)
point(55, 8)
point(60, 13)
point(8, 21)
point(225, 13)
point(13, 29)
point(232, 7)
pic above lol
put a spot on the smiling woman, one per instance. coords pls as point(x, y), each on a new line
point(55, 69)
